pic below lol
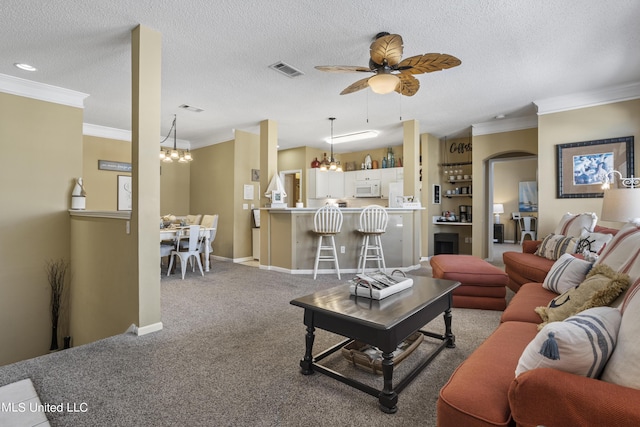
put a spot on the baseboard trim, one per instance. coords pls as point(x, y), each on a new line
point(144, 330)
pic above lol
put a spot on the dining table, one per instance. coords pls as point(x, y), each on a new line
point(170, 233)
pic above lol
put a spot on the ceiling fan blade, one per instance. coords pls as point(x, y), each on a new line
point(342, 68)
point(408, 85)
point(387, 47)
point(428, 63)
point(359, 85)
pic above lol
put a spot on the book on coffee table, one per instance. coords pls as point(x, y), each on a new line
point(378, 285)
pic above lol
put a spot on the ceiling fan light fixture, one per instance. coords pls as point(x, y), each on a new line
point(384, 83)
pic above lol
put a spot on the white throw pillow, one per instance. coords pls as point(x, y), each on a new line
point(581, 344)
point(623, 367)
point(592, 242)
point(566, 273)
point(622, 253)
point(575, 224)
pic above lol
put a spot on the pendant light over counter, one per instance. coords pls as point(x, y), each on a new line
point(333, 164)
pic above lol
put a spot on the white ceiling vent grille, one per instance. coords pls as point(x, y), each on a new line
point(191, 108)
point(286, 69)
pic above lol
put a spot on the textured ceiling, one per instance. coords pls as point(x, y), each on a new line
point(216, 56)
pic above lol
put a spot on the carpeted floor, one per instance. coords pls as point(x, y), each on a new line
point(228, 356)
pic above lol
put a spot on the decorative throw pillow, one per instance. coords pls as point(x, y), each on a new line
point(581, 345)
point(193, 219)
point(600, 288)
point(623, 367)
point(592, 242)
point(574, 224)
point(554, 246)
point(566, 273)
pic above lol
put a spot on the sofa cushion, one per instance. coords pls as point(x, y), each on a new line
point(554, 246)
point(458, 403)
point(601, 287)
point(623, 367)
point(581, 344)
point(574, 224)
point(531, 267)
point(522, 306)
point(566, 273)
point(622, 253)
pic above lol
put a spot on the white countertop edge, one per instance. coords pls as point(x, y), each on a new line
point(100, 214)
point(342, 209)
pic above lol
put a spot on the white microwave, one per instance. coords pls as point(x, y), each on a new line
point(368, 188)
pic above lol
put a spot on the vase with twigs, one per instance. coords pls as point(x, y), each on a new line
point(56, 274)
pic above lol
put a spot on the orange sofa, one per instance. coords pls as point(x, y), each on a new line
point(484, 390)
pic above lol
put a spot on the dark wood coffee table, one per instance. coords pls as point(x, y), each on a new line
point(383, 324)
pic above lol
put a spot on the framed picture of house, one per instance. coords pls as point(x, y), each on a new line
point(583, 166)
point(124, 193)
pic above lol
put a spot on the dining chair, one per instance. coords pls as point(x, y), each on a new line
point(209, 221)
point(187, 251)
point(527, 227)
point(373, 224)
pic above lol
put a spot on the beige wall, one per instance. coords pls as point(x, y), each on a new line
point(431, 150)
point(175, 188)
point(42, 143)
point(586, 124)
point(246, 157)
point(485, 148)
point(101, 185)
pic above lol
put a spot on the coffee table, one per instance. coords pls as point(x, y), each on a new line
point(383, 324)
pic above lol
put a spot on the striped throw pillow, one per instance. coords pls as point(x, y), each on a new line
point(555, 245)
point(581, 344)
point(575, 224)
point(566, 273)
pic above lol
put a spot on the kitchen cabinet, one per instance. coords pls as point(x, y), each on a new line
point(388, 175)
point(350, 184)
point(367, 174)
point(325, 184)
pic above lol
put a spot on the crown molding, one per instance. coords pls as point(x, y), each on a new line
point(125, 135)
point(504, 125)
point(593, 98)
point(41, 91)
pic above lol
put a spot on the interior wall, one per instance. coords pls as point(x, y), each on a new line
point(486, 147)
point(293, 159)
point(246, 157)
point(212, 191)
point(507, 175)
point(175, 185)
point(431, 175)
point(43, 141)
point(101, 185)
point(600, 122)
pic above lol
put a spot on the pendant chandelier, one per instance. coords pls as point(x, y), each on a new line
point(333, 164)
point(168, 156)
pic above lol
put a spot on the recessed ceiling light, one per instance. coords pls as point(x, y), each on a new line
point(353, 136)
point(25, 67)
point(500, 116)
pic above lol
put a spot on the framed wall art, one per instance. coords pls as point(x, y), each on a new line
point(582, 166)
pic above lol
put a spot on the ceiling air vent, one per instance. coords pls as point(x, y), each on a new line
point(191, 108)
point(286, 69)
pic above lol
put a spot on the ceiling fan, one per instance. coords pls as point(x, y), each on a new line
point(390, 71)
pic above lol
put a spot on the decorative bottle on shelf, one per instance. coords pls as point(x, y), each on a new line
point(315, 163)
point(384, 163)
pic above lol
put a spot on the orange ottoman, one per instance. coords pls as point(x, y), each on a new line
point(482, 285)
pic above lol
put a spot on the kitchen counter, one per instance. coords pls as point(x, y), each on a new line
point(291, 244)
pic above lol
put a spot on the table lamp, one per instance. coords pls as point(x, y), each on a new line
point(498, 208)
point(620, 204)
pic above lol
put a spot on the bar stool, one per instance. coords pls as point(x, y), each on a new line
point(528, 226)
point(373, 223)
point(327, 222)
